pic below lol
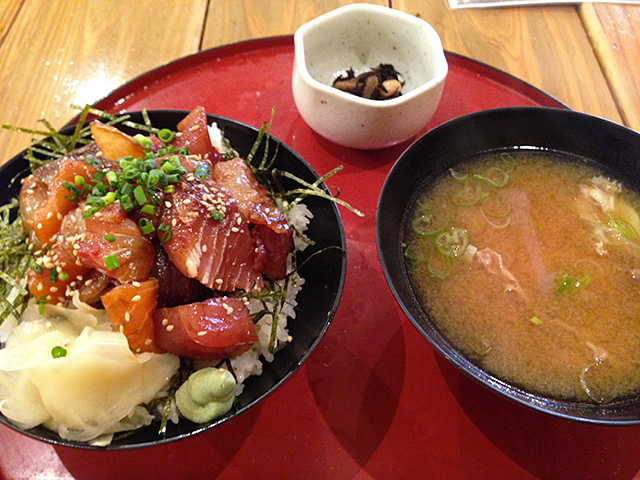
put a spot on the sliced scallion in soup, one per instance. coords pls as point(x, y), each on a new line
point(529, 263)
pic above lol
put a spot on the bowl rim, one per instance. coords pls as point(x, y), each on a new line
point(583, 412)
point(12, 165)
point(435, 45)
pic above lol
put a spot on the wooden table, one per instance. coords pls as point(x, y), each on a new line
point(57, 54)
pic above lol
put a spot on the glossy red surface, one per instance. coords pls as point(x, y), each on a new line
point(373, 400)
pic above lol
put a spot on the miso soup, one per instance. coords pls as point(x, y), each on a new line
point(529, 263)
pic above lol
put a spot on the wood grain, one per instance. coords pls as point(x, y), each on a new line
point(545, 46)
point(614, 31)
point(235, 21)
point(8, 12)
point(67, 52)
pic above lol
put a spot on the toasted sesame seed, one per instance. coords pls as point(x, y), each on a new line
point(147, 342)
point(229, 310)
point(53, 289)
point(136, 298)
point(121, 328)
point(127, 317)
point(40, 287)
point(204, 249)
point(165, 322)
point(235, 229)
point(39, 226)
point(167, 204)
point(88, 282)
point(49, 215)
point(169, 328)
point(59, 216)
point(201, 333)
point(219, 281)
point(135, 284)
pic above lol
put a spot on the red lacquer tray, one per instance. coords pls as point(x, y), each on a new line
point(374, 400)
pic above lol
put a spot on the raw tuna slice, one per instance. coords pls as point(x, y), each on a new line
point(217, 328)
point(210, 238)
point(254, 201)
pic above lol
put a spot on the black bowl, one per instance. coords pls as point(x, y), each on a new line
point(614, 148)
point(324, 276)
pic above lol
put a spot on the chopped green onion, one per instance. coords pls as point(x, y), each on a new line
point(139, 195)
point(411, 255)
point(126, 203)
point(169, 189)
point(62, 275)
point(423, 225)
point(93, 161)
point(439, 265)
point(496, 177)
point(41, 301)
point(58, 352)
point(471, 193)
point(35, 267)
point(146, 226)
point(216, 215)
point(53, 276)
point(109, 198)
point(458, 175)
point(535, 320)
point(459, 241)
point(166, 233)
point(79, 180)
point(111, 262)
point(112, 177)
point(145, 142)
point(109, 238)
point(98, 176)
point(565, 283)
point(148, 209)
point(496, 207)
point(201, 172)
point(166, 135)
point(75, 191)
point(623, 227)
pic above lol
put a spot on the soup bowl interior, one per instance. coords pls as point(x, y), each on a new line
point(611, 147)
point(317, 301)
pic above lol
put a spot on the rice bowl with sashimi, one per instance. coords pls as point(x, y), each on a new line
point(159, 255)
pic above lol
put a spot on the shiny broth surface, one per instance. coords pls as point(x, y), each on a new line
point(530, 264)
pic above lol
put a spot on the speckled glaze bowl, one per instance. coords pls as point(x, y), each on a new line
point(362, 36)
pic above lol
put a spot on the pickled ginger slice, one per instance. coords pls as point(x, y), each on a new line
point(93, 390)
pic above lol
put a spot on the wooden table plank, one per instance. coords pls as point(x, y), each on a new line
point(8, 12)
point(614, 31)
point(230, 22)
point(545, 46)
point(64, 52)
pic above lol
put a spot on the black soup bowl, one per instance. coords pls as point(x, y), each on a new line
point(614, 149)
point(322, 265)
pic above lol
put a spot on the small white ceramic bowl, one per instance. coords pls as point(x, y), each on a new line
point(362, 36)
